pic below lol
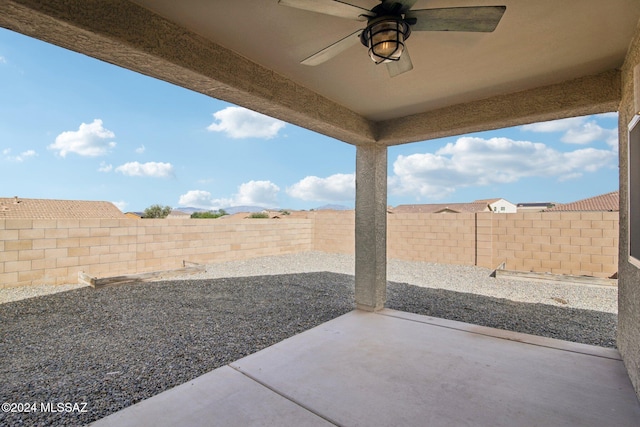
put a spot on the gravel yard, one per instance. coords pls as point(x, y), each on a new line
point(116, 346)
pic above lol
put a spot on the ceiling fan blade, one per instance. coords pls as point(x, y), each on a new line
point(405, 5)
point(330, 7)
point(400, 66)
point(475, 19)
point(333, 50)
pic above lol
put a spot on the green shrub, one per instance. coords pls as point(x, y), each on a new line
point(209, 214)
point(157, 211)
point(259, 215)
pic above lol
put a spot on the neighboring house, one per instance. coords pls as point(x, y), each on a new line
point(134, 215)
point(238, 215)
point(442, 208)
point(176, 214)
point(535, 207)
point(489, 205)
point(609, 202)
point(17, 208)
point(499, 205)
point(247, 215)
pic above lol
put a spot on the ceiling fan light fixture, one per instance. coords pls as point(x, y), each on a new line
point(385, 39)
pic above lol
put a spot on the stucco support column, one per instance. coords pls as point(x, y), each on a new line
point(371, 227)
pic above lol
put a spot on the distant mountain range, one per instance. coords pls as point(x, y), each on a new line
point(235, 209)
point(189, 210)
point(230, 210)
point(333, 208)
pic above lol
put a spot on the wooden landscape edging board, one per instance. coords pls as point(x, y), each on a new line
point(557, 278)
point(94, 282)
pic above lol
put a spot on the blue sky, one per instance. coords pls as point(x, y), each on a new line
point(73, 127)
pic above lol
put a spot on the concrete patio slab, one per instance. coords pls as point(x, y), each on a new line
point(395, 368)
point(223, 397)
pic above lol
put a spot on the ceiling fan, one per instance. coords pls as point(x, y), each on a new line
point(390, 23)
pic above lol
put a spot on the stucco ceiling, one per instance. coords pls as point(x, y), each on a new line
point(536, 43)
point(546, 59)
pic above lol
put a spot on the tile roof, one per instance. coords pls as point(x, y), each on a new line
point(487, 201)
point(443, 207)
point(536, 205)
point(237, 215)
point(605, 202)
point(17, 208)
point(178, 214)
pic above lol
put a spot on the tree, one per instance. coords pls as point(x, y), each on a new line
point(259, 215)
point(209, 214)
point(157, 211)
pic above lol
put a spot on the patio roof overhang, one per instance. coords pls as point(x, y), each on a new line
point(546, 60)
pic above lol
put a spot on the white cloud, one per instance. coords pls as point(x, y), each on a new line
point(3, 60)
point(252, 193)
point(120, 205)
point(260, 193)
point(479, 162)
point(561, 125)
point(28, 153)
point(238, 122)
point(586, 133)
point(335, 188)
point(150, 169)
point(425, 174)
point(579, 130)
point(89, 140)
point(20, 157)
point(105, 167)
point(141, 149)
point(201, 199)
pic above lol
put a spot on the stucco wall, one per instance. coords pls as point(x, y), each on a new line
point(628, 339)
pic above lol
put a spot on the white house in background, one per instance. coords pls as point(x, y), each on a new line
point(499, 205)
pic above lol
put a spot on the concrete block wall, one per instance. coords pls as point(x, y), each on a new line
point(577, 243)
point(484, 239)
point(54, 251)
point(334, 231)
point(438, 238)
